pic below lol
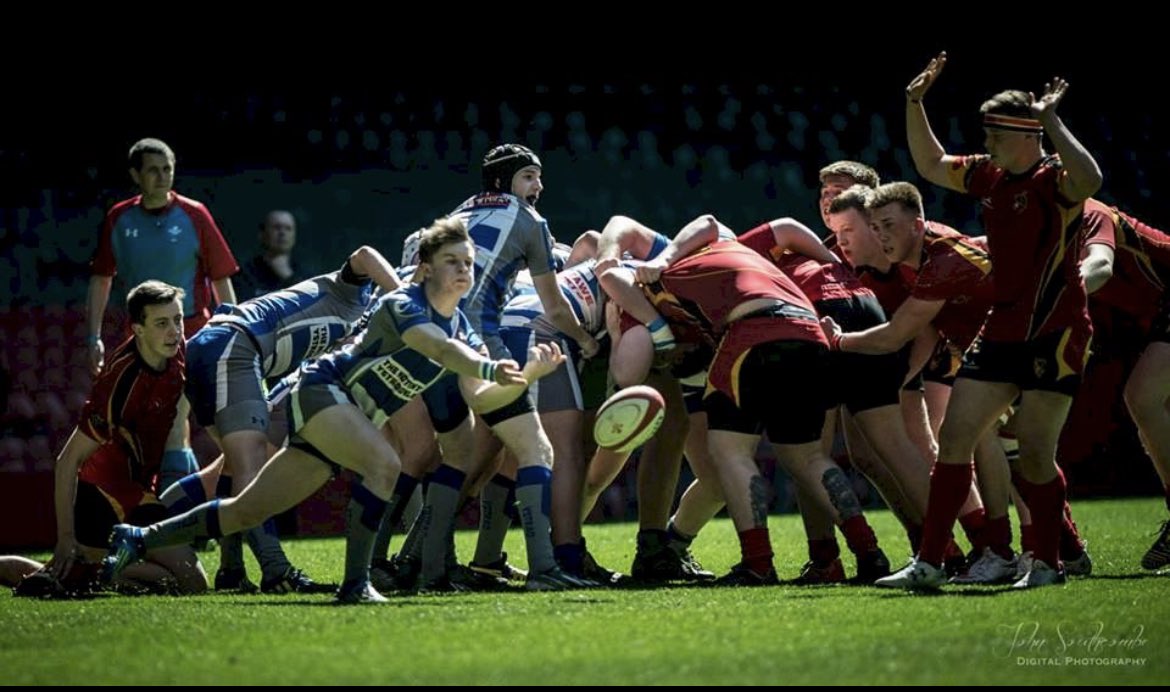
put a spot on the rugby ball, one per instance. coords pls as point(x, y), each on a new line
point(627, 419)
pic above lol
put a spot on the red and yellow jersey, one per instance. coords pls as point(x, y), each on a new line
point(956, 269)
point(1033, 235)
point(1141, 260)
point(817, 280)
point(711, 283)
point(133, 406)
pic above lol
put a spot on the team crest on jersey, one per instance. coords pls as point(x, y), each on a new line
point(1020, 202)
point(492, 199)
point(404, 308)
point(1039, 367)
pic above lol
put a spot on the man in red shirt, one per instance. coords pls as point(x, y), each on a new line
point(136, 405)
point(1127, 267)
point(1035, 341)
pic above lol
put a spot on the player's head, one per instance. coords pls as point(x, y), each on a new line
point(515, 169)
point(895, 210)
point(152, 166)
point(840, 176)
point(446, 255)
point(278, 233)
point(849, 220)
point(1011, 133)
point(156, 318)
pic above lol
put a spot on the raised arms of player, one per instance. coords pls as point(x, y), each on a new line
point(911, 318)
point(79, 448)
point(930, 158)
point(1083, 174)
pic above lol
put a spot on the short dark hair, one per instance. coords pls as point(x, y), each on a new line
point(150, 293)
point(449, 229)
point(858, 172)
point(1013, 102)
point(149, 145)
point(903, 193)
point(853, 198)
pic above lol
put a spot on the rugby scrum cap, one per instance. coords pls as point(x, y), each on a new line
point(502, 162)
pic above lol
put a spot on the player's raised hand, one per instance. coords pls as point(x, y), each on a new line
point(922, 83)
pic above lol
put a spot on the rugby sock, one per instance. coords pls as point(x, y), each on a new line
point(403, 490)
point(176, 464)
point(998, 536)
point(1027, 537)
point(1071, 545)
point(533, 490)
point(755, 546)
point(973, 523)
point(822, 551)
point(949, 486)
point(493, 519)
point(184, 495)
point(231, 548)
point(1046, 502)
point(201, 522)
point(363, 516)
point(438, 513)
point(264, 542)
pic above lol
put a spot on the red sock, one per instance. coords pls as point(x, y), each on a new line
point(973, 523)
point(998, 535)
point(756, 547)
point(823, 550)
point(1027, 536)
point(1071, 545)
point(1046, 503)
point(858, 535)
point(949, 486)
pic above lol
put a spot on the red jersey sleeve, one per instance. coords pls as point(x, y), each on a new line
point(1099, 227)
point(215, 256)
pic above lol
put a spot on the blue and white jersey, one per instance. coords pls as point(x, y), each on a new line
point(509, 235)
point(300, 322)
point(380, 372)
point(580, 287)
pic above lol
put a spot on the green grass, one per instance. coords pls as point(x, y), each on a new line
point(779, 635)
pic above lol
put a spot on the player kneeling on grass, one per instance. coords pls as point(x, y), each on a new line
point(135, 409)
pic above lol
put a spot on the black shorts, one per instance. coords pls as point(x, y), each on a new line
point(95, 514)
point(780, 386)
point(857, 380)
point(1051, 363)
point(944, 364)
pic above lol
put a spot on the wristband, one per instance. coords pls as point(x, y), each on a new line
point(487, 370)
